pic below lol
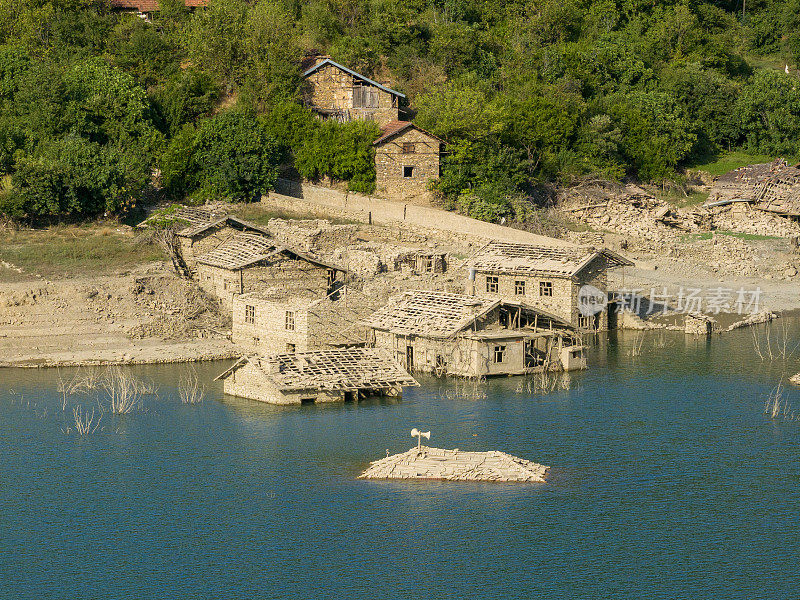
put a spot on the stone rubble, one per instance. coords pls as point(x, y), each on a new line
point(455, 465)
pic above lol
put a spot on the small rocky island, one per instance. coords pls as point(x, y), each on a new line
point(424, 462)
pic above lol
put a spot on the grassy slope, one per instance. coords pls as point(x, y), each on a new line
point(69, 251)
point(729, 161)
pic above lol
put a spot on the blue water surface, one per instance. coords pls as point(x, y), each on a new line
point(668, 481)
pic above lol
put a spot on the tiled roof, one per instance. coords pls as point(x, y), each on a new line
point(430, 314)
point(395, 127)
point(529, 259)
point(328, 61)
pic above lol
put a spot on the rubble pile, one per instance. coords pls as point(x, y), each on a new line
point(742, 218)
point(631, 211)
point(311, 235)
point(455, 465)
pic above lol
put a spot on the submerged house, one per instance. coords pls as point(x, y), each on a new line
point(249, 262)
point(455, 334)
point(549, 278)
point(285, 321)
point(323, 376)
point(336, 92)
point(407, 158)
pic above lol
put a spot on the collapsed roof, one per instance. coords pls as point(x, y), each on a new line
point(772, 187)
point(244, 249)
point(430, 314)
point(349, 369)
point(528, 259)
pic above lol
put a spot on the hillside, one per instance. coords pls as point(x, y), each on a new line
point(93, 101)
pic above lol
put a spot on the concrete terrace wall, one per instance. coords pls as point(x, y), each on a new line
point(323, 201)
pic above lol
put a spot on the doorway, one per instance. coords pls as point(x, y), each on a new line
point(409, 358)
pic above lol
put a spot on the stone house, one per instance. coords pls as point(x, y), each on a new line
point(467, 336)
point(336, 92)
point(283, 321)
point(407, 158)
point(568, 282)
point(248, 262)
point(311, 377)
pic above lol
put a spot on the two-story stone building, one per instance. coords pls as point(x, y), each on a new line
point(336, 92)
point(554, 278)
point(407, 158)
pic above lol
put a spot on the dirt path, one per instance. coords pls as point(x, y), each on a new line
point(126, 318)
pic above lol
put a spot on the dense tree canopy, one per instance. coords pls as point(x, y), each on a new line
point(93, 103)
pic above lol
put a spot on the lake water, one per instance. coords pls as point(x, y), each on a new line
point(668, 481)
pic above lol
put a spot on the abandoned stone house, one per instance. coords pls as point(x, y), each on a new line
point(407, 158)
point(206, 231)
point(248, 262)
point(322, 376)
point(547, 278)
point(467, 336)
point(771, 187)
point(282, 321)
point(336, 92)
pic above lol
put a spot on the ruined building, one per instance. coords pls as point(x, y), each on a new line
point(249, 262)
point(547, 278)
point(771, 187)
point(205, 233)
point(323, 376)
point(454, 334)
point(336, 92)
point(407, 158)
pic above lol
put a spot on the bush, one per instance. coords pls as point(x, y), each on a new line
point(231, 156)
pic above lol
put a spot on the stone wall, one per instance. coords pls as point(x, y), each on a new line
point(322, 324)
point(404, 166)
point(332, 89)
point(322, 201)
point(284, 273)
point(562, 303)
point(458, 357)
point(222, 284)
point(268, 334)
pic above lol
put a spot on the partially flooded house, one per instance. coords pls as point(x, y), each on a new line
point(286, 320)
point(314, 377)
point(455, 334)
point(556, 279)
point(249, 262)
point(336, 92)
point(771, 187)
point(407, 158)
